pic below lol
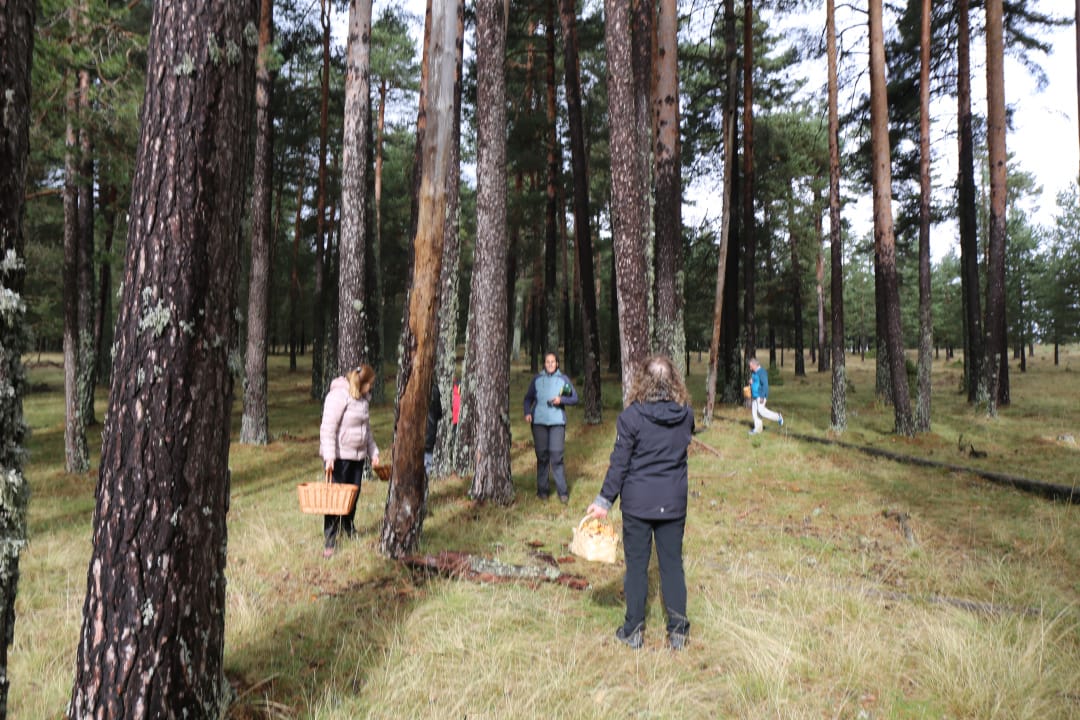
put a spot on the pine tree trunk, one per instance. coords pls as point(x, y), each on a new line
point(749, 240)
point(487, 359)
point(883, 222)
point(670, 328)
point(583, 242)
point(552, 286)
point(796, 288)
point(819, 275)
point(969, 251)
point(728, 130)
point(254, 424)
point(103, 306)
point(997, 365)
point(406, 502)
point(926, 329)
point(76, 452)
point(87, 359)
point(838, 412)
point(450, 277)
point(17, 41)
point(152, 639)
point(627, 201)
point(351, 308)
point(318, 326)
point(295, 331)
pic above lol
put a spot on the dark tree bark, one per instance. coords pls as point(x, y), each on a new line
point(295, 330)
point(16, 58)
point(969, 251)
point(796, 286)
point(152, 638)
point(552, 286)
point(627, 200)
point(583, 245)
point(87, 359)
point(838, 413)
point(731, 103)
point(254, 424)
point(819, 276)
point(76, 452)
point(103, 306)
point(670, 329)
point(883, 222)
point(319, 356)
point(926, 328)
point(351, 308)
point(749, 241)
point(487, 360)
point(997, 349)
point(406, 502)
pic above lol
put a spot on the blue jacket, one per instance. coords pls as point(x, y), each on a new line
point(759, 383)
point(538, 398)
point(648, 465)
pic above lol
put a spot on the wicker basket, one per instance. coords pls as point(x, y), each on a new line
point(326, 498)
point(382, 471)
point(594, 548)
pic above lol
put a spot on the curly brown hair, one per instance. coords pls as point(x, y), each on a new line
point(657, 380)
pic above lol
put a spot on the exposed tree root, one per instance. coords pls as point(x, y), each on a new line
point(450, 563)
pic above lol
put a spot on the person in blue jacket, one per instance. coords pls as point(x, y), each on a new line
point(648, 471)
point(548, 394)
point(759, 393)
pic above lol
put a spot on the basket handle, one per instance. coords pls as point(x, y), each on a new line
point(589, 517)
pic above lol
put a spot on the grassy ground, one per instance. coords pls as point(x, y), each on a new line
point(806, 600)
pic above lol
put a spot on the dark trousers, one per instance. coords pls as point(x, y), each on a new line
point(638, 535)
point(550, 444)
point(345, 471)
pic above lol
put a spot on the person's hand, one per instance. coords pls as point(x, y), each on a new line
point(596, 511)
point(528, 419)
point(557, 400)
point(375, 461)
point(329, 470)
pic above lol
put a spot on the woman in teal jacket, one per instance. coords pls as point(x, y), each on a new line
point(549, 393)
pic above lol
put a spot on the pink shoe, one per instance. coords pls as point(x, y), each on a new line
point(328, 552)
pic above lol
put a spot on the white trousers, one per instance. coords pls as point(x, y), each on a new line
point(757, 406)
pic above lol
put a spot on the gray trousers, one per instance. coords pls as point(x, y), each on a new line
point(550, 444)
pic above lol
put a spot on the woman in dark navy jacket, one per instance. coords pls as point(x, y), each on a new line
point(648, 472)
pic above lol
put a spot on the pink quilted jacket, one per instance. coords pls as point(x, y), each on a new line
point(345, 431)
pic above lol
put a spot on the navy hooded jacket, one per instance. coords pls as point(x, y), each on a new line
point(648, 465)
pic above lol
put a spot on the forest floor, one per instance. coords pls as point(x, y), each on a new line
point(823, 582)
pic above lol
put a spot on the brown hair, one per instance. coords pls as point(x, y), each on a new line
point(658, 380)
point(358, 377)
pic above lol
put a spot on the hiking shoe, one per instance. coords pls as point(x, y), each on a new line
point(677, 640)
point(328, 553)
point(634, 640)
point(564, 499)
point(781, 421)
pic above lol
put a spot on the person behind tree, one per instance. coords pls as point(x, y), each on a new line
point(431, 433)
point(346, 442)
point(648, 473)
point(759, 394)
point(548, 394)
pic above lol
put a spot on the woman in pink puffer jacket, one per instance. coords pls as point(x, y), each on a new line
point(346, 442)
